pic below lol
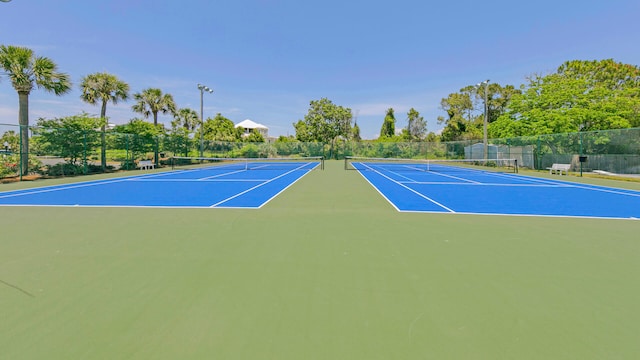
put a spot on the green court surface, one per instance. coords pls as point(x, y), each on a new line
point(327, 270)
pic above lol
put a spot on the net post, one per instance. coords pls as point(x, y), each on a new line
point(515, 165)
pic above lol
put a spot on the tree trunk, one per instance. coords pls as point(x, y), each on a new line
point(23, 118)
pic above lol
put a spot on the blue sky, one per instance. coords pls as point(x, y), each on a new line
point(267, 59)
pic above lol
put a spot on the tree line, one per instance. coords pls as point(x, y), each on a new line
point(579, 96)
point(28, 71)
point(325, 122)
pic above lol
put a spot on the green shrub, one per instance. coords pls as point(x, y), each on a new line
point(9, 165)
point(64, 169)
point(127, 164)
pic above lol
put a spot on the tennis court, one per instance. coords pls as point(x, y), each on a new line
point(459, 187)
point(214, 183)
point(326, 270)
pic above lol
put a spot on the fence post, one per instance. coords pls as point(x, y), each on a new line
point(580, 155)
point(155, 150)
point(21, 153)
point(538, 154)
point(84, 151)
point(126, 157)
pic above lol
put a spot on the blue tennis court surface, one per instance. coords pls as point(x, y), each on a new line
point(222, 186)
point(468, 191)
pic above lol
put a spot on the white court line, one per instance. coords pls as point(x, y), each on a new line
point(402, 176)
point(521, 215)
point(378, 190)
point(528, 178)
point(53, 188)
point(274, 196)
point(480, 184)
point(404, 186)
point(534, 182)
point(383, 167)
point(423, 171)
point(456, 177)
point(550, 183)
point(202, 180)
point(219, 175)
point(288, 186)
point(257, 186)
point(561, 183)
point(179, 171)
point(606, 190)
point(67, 187)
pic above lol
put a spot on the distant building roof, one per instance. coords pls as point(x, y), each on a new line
point(248, 124)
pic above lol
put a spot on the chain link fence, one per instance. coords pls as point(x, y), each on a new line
point(68, 152)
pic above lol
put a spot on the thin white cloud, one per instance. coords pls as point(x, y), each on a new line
point(7, 113)
point(380, 109)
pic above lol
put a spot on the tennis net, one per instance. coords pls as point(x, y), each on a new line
point(283, 163)
point(446, 165)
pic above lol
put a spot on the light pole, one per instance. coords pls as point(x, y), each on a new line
point(202, 89)
point(486, 119)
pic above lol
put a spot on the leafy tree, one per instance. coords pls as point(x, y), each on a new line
point(220, 129)
point(579, 96)
point(416, 126)
point(71, 137)
point(11, 139)
point(498, 97)
point(458, 121)
point(603, 73)
point(324, 122)
point(26, 71)
point(355, 133)
point(303, 132)
point(152, 101)
point(465, 110)
point(102, 88)
point(432, 138)
point(254, 136)
point(178, 141)
point(388, 129)
point(286, 139)
point(186, 118)
point(139, 137)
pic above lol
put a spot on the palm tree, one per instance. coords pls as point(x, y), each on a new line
point(26, 71)
point(103, 88)
point(151, 101)
point(187, 118)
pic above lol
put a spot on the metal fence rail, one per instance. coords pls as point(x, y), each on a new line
point(63, 152)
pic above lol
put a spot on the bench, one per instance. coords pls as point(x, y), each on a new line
point(559, 168)
point(146, 164)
